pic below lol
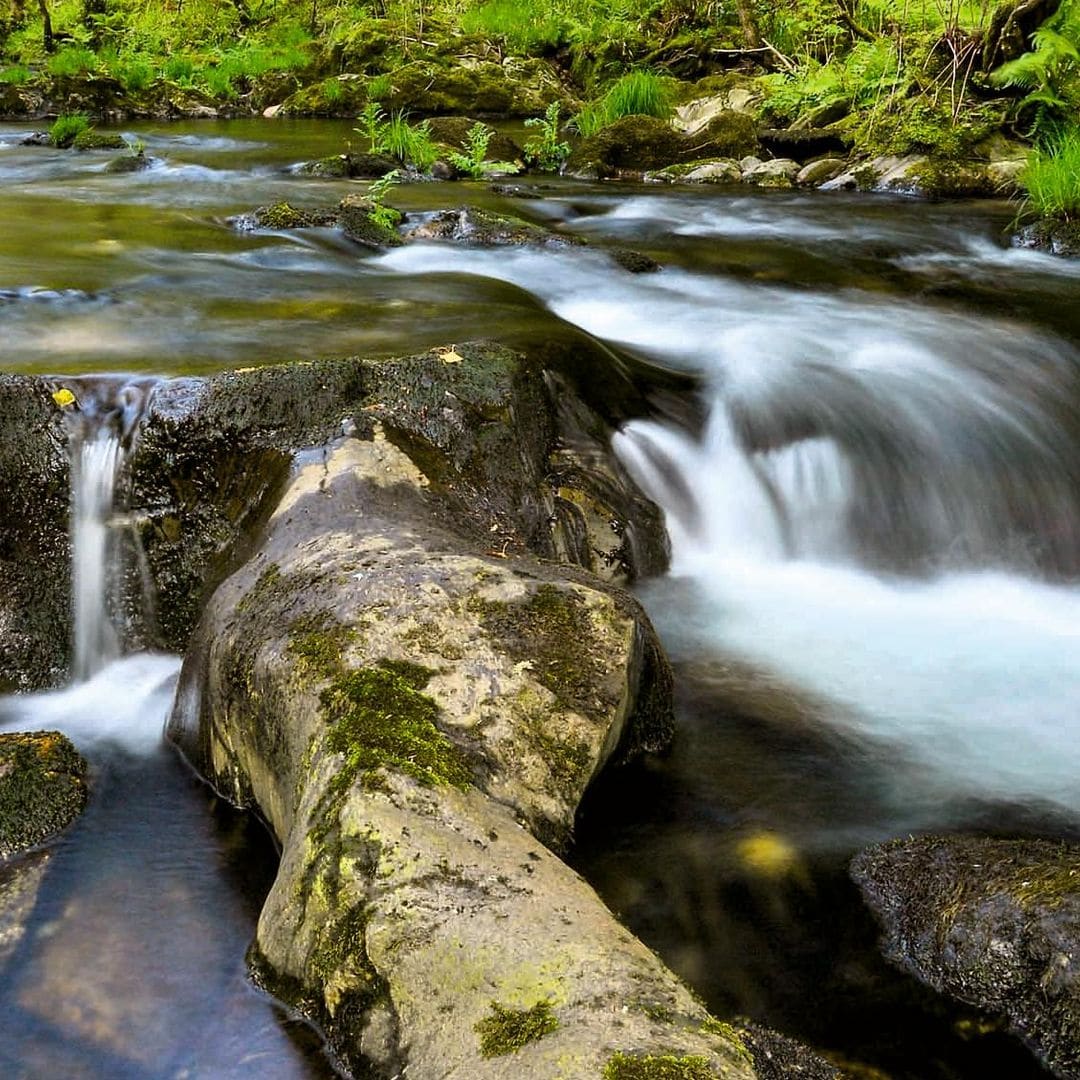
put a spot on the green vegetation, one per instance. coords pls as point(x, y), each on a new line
point(638, 93)
point(379, 719)
point(474, 162)
point(1052, 178)
point(395, 136)
point(385, 217)
point(67, 128)
point(622, 1066)
point(546, 151)
point(506, 1031)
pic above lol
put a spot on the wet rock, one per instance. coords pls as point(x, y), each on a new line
point(36, 138)
point(994, 923)
point(351, 166)
point(369, 223)
point(1051, 236)
point(42, 788)
point(213, 454)
point(816, 173)
point(416, 706)
point(709, 171)
point(35, 555)
point(642, 143)
point(282, 215)
point(778, 173)
point(777, 1057)
point(477, 227)
point(129, 163)
point(98, 140)
point(636, 262)
point(453, 131)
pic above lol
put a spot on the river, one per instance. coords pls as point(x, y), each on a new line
point(874, 506)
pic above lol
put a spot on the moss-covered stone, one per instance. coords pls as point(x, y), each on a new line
point(370, 223)
point(477, 227)
point(622, 1066)
point(284, 215)
point(995, 923)
point(379, 720)
point(506, 1031)
point(350, 166)
point(98, 140)
point(42, 788)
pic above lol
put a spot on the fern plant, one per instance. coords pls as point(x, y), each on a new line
point(1049, 72)
point(546, 151)
point(474, 161)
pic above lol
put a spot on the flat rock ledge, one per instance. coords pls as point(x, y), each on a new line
point(993, 923)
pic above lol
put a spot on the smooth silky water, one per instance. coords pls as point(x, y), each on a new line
point(872, 608)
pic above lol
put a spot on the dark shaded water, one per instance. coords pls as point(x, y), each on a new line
point(875, 510)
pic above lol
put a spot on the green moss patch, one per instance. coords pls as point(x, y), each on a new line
point(622, 1066)
point(506, 1031)
point(379, 720)
point(318, 642)
point(552, 631)
point(42, 788)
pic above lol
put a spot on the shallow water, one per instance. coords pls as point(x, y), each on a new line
point(874, 502)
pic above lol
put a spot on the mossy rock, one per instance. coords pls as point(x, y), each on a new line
point(98, 140)
point(368, 223)
point(351, 166)
point(42, 788)
point(476, 227)
point(994, 923)
point(630, 144)
point(513, 89)
point(949, 179)
point(283, 215)
point(128, 163)
point(641, 143)
point(1051, 236)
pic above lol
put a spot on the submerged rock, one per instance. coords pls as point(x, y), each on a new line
point(42, 788)
point(994, 923)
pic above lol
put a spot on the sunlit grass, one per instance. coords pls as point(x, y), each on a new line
point(638, 93)
point(1052, 178)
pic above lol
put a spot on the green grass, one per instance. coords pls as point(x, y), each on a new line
point(15, 75)
point(72, 61)
point(1052, 179)
point(638, 93)
point(68, 127)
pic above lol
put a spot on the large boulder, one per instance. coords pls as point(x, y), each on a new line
point(416, 704)
point(213, 456)
point(35, 555)
point(994, 923)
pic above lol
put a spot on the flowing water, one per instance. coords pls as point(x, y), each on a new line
point(874, 505)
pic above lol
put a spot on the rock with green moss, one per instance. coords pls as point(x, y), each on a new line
point(477, 227)
point(42, 788)
point(1051, 236)
point(368, 222)
point(416, 704)
point(635, 144)
point(994, 923)
point(282, 215)
point(99, 140)
point(453, 131)
point(351, 166)
point(135, 161)
point(705, 171)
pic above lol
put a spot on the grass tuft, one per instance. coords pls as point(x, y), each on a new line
point(1052, 179)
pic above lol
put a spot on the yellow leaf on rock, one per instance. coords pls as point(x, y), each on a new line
point(63, 397)
point(451, 357)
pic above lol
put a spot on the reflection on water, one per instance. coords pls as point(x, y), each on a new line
point(132, 966)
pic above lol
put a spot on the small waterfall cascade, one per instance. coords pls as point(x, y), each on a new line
point(894, 529)
point(102, 431)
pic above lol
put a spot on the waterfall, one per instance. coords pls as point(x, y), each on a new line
point(97, 461)
point(102, 430)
